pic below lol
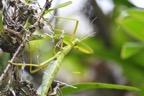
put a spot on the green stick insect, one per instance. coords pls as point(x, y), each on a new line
point(53, 64)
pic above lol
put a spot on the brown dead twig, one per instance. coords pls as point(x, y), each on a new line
point(14, 24)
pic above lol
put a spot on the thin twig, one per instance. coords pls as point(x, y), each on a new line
point(22, 45)
point(9, 66)
point(46, 7)
point(17, 34)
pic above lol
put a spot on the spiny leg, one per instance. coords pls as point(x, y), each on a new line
point(21, 64)
point(30, 54)
point(45, 63)
point(59, 30)
point(39, 66)
point(36, 69)
point(62, 35)
point(86, 49)
point(76, 24)
point(59, 44)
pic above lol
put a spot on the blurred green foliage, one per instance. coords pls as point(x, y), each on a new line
point(126, 37)
point(126, 50)
point(89, 85)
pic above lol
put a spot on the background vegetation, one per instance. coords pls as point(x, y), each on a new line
point(117, 45)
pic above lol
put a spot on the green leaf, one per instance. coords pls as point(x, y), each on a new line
point(131, 48)
point(48, 77)
point(59, 6)
point(137, 13)
point(133, 26)
point(1, 23)
point(84, 86)
point(133, 23)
